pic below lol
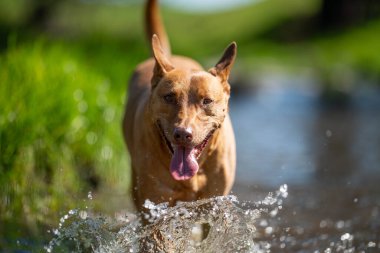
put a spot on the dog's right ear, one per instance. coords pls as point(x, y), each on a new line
point(163, 65)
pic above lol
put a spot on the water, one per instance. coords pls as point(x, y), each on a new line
point(328, 154)
point(173, 229)
point(326, 157)
point(235, 226)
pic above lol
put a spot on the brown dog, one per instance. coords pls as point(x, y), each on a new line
point(176, 124)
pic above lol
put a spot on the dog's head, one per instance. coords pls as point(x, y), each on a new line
point(188, 106)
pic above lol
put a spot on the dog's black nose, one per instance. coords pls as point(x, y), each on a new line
point(183, 135)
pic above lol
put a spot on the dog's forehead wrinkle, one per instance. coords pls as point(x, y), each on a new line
point(177, 77)
point(203, 83)
point(197, 76)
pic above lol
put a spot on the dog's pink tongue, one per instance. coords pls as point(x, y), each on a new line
point(184, 165)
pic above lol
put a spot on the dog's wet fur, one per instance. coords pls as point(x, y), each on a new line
point(176, 124)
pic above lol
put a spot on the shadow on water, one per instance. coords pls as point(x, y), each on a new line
point(326, 157)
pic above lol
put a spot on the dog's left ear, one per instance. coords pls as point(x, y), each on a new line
point(223, 67)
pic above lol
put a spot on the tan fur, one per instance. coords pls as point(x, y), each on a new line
point(149, 116)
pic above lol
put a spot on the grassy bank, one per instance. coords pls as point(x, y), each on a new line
point(60, 134)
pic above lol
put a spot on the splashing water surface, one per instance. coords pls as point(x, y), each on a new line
point(233, 227)
point(171, 229)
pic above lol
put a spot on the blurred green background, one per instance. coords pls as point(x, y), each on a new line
point(64, 67)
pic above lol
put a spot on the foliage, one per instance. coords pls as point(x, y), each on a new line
point(60, 133)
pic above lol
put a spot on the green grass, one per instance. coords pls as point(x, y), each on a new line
point(60, 128)
point(355, 49)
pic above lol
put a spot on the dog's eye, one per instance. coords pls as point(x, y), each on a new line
point(170, 98)
point(207, 101)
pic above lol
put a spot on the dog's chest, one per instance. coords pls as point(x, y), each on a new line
point(195, 184)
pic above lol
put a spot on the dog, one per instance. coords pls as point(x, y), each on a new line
point(176, 124)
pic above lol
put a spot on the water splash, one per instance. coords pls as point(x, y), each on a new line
point(234, 226)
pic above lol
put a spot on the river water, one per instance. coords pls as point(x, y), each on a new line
point(327, 153)
point(308, 180)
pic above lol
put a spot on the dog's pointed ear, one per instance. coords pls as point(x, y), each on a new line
point(223, 67)
point(163, 65)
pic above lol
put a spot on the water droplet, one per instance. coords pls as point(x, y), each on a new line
point(109, 114)
point(106, 152)
point(82, 106)
point(91, 138)
point(274, 212)
point(371, 244)
point(339, 224)
point(346, 236)
point(268, 230)
point(83, 214)
point(78, 123)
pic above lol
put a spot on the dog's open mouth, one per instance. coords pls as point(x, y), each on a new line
point(184, 164)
